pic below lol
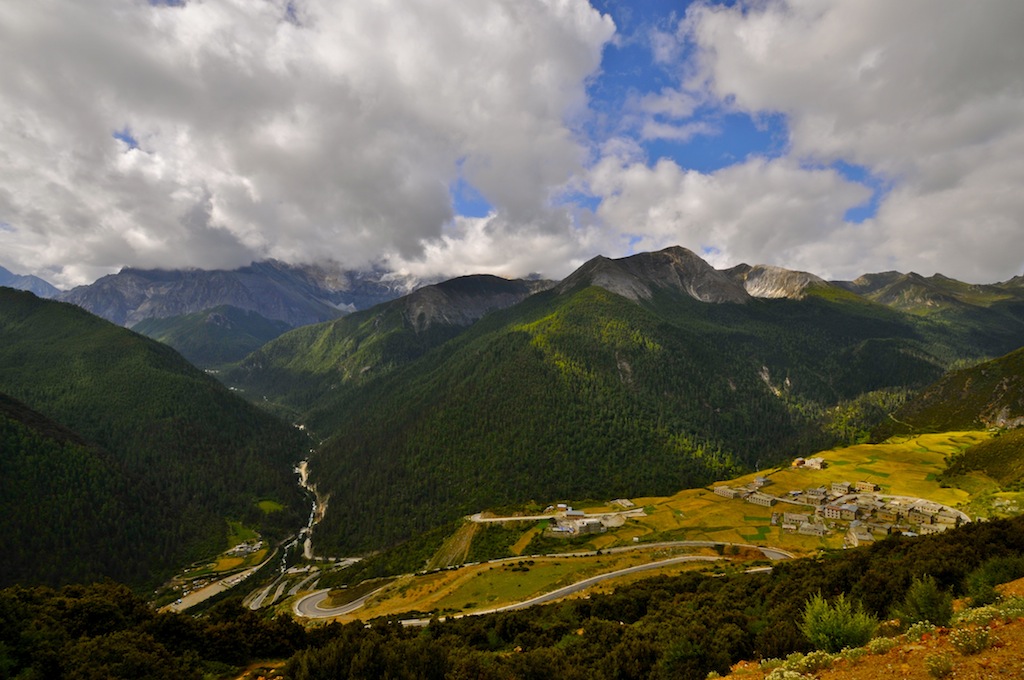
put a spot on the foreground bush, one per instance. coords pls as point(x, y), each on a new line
point(832, 627)
point(924, 601)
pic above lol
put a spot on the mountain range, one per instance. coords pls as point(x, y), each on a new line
point(213, 337)
point(632, 376)
point(295, 294)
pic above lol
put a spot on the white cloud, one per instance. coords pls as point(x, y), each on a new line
point(927, 95)
point(759, 211)
point(497, 246)
point(333, 135)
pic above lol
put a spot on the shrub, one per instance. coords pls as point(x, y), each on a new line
point(980, 616)
point(924, 601)
point(1012, 608)
point(853, 654)
point(832, 627)
point(970, 640)
point(882, 645)
point(785, 674)
point(814, 661)
point(919, 630)
point(938, 665)
point(981, 582)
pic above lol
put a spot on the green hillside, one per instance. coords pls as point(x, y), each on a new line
point(299, 369)
point(580, 392)
point(62, 501)
point(990, 394)
point(168, 426)
point(214, 337)
point(589, 395)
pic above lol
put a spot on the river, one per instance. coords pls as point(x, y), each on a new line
point(316, 513)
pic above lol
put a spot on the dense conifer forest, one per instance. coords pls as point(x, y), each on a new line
point(162, 454)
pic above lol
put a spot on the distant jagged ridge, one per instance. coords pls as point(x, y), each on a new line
point(638, 277)
point(295, 294)
point(32, 284)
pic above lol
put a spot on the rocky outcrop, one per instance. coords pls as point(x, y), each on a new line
point(637, 277)
point(767, 281)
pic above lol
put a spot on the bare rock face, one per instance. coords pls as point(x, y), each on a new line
point(637, 277)
point(767, 281)
point(466, 299)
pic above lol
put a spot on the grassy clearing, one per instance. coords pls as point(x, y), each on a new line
point(238, 533)
point(455, 547)
point(519, 546)
point(228, 563)
point(269, 507)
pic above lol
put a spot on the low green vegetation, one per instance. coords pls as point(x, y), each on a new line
point(269, 506)
point(924, 601)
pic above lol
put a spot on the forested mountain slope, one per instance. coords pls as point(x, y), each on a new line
point(990, 394)
point(631, 377)
point(580, 392)
point(216, 336)
point(303, 366)
point(62, 501)
point(191, 450)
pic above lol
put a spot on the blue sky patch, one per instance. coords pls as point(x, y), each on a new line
point(467, 201)
point(125, 135)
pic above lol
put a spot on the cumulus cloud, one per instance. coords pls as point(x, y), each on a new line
point(927, 95)
point(298, 130)
point(760, 211)
point(220, 131)
point(495, 245)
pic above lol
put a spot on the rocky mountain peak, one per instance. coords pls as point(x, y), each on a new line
point(464, 300)
point(637, 277)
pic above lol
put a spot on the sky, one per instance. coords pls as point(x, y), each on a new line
point(511, 137)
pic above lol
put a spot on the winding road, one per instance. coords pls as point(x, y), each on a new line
point(310, 605)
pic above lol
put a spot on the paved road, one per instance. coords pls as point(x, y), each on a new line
point(574, 588)
point(634, 512)
point(309, 606)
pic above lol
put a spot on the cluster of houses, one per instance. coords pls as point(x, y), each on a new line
point(574, 522)
point(245, 549)
point(866, 515)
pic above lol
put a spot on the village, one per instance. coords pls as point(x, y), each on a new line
point(856, 508)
